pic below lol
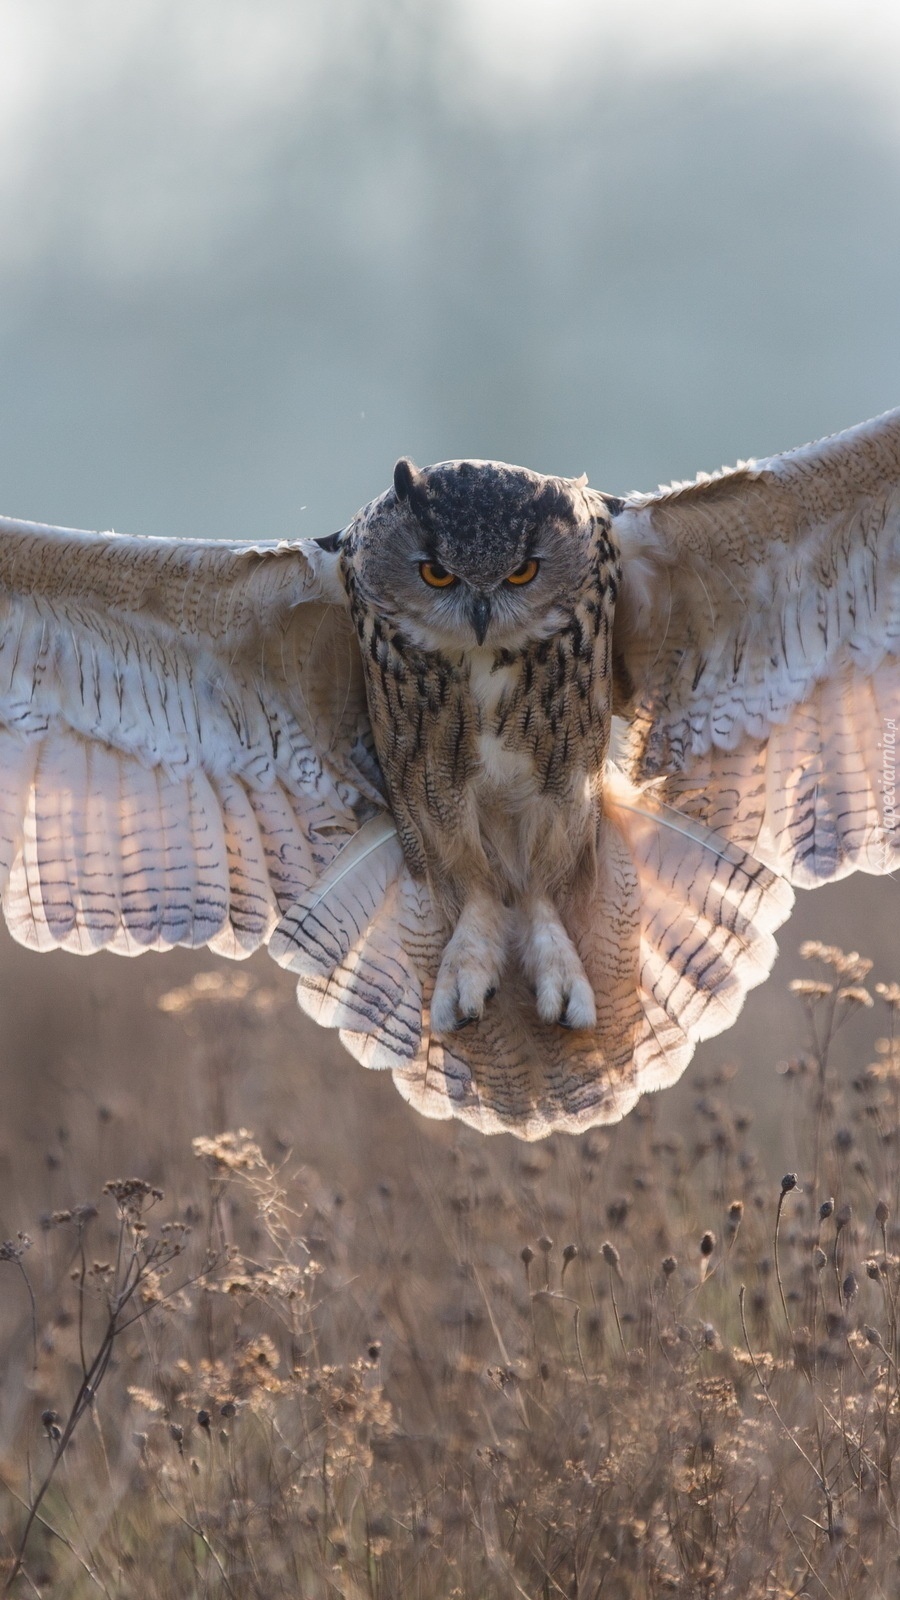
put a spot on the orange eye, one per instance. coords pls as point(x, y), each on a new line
point(432, 573)
point(525, 573)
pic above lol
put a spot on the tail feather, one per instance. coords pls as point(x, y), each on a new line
point(344, 941)
point(673, 929)
point(708, 912)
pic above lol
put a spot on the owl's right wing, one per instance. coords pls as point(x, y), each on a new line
point(757, 643)
point(184, 740)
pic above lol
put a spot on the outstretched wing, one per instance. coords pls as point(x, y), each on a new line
point(757, 651)
point(184, 743)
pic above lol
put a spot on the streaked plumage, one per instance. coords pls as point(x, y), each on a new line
point(387, 757)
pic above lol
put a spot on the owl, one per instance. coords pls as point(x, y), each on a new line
point(514, 776)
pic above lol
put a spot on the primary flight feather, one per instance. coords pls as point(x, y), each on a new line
point(386, 755)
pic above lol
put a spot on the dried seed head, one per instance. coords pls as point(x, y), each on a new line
point(856, 995)
point(850, 1286)
point(234, 1151)
point(842, 1215)
point(825, 1210)
point(545, 1245)
point(735, 1212)
point(670, 1265)
point(819, 1258)
point(882, 1212)
point(788, 1182)
point(610, 1254)
point(131, 1196)
point(14, 1249)
point(872, 1270)
point(708, 1243)
point(852, 966)
point(569, 1253)
point(527, 1254)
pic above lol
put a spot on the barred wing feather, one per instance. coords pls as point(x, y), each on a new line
point(757, 645)
point(183, 737)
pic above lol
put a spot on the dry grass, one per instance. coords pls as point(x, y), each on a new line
point(629, 1365)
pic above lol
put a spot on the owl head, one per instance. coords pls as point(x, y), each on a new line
point(471, 553)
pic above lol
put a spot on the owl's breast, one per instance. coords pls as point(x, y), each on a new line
point(539, 748)
point(503, 763)
point(543, 714)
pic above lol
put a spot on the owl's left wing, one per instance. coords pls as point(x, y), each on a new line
point(184, 740)
point(757, 652)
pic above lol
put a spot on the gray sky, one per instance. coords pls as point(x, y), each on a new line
point(252, 251)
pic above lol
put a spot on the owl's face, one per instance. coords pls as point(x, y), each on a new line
point(471, 553)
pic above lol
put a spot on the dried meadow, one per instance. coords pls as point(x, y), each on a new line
point(632, 1365)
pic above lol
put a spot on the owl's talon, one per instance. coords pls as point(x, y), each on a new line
point(566, 1020)
point(470, 967)
point(452, 1022)
point(578, 1009)
point(563, 991)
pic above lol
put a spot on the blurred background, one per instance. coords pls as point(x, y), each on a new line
point(253, 250)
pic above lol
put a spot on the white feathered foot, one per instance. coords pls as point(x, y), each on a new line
point(471, 966)
point(551, 962)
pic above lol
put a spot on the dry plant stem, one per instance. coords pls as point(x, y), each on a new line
point(612, 1296)
point(820, 1050)
point(63, 1539)
point(86, 1391)
point(82, 1276)
point(93, 1375)
point(829, 1505)
point(809, 1566)
point(33, 1308)
point(198, 1534)
point(785, 1190)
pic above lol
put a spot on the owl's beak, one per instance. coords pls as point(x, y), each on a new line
point(480, 616)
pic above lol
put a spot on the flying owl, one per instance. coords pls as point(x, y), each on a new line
point(515, 776)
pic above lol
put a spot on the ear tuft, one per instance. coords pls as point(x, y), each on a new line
point(407, 479)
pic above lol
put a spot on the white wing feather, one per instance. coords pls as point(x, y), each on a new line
point(758, 650)
point(179, 729)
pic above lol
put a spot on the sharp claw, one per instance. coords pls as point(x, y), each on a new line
point(464, 1022)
